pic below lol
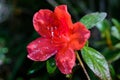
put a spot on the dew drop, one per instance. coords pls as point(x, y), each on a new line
point(48, 28)
point(52, 34)
point(55, 28)
point(42, 22)
point(34, 46)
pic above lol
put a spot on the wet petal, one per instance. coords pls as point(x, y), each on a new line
point(65, 60)
point(41, 49)
point(80, 34)
point(64, 17)
point(45, 22)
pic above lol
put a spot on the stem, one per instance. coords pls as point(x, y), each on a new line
point(108, 39)
point(80, 62)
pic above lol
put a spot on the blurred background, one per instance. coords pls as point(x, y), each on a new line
point(16, 31)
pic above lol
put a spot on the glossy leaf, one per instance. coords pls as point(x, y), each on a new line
point(112, 71)
point(117, 46)
point(116, 23)
point(104, 28)
point(115, 32)
point(51, 66)
point(113, 57)
point(96, 62)
point(90, 20)
point(103, 25)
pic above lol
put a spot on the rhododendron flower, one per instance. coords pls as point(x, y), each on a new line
point(59, 37)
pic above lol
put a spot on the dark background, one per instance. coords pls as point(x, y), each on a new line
point(16, 31)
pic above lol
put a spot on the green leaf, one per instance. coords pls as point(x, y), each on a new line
point(117, 46)
point(51, 66)
point(118, 76)
point(96, 62)
point(2, 58)
point(103, 25)
point(112, 71)
point(90, 20)
point(113, 57)
point(116, 23)
point(115, 32)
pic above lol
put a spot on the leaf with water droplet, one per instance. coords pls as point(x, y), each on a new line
point(90, 20)
point(96, 62)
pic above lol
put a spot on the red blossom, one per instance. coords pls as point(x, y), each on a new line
point(59, 37)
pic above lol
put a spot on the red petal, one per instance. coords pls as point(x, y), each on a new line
point(64, 17)
point(65, 60)
point(41, 49)
point(45, 22)
point(80, 35)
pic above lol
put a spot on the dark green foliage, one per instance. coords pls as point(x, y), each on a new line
point(16, 31)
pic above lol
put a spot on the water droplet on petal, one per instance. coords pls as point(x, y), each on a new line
point(52, 34)
point(41, 21)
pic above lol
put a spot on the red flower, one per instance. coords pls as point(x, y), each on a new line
point(60, 37)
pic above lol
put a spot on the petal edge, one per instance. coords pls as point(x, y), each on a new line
point(45, 22)
point(63, 16)
point(80, 35)
point(41, 49)
point(65, 61)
